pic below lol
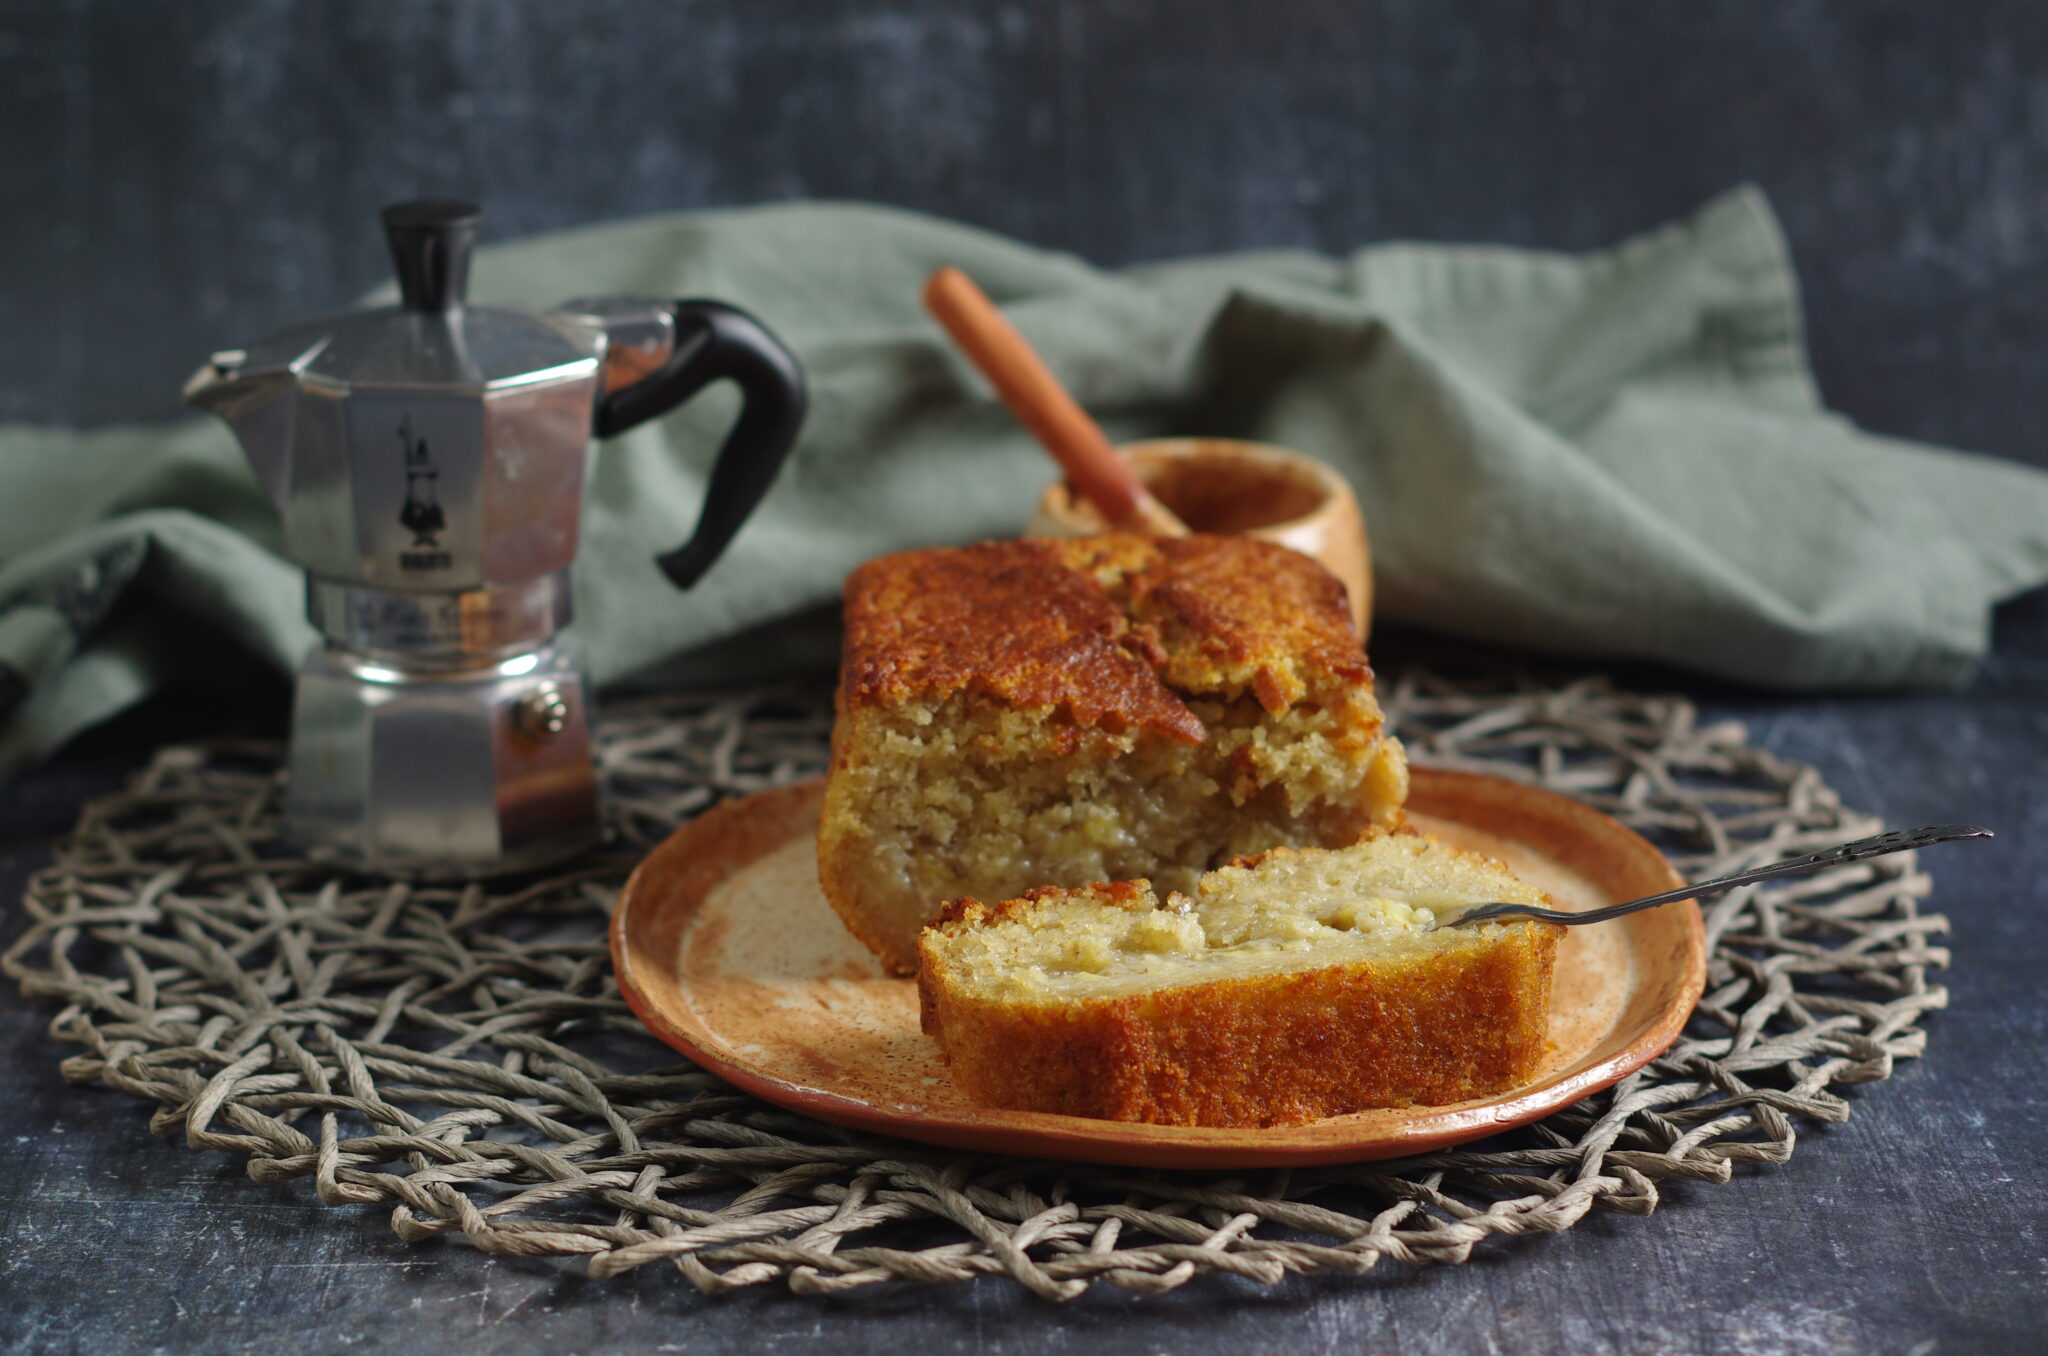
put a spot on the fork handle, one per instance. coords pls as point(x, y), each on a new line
point(1879, 845)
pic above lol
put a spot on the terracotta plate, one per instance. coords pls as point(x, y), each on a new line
point(726, 949)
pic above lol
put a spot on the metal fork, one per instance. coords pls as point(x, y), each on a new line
point(1897, 840)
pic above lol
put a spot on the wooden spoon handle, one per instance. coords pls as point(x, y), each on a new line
point(1042, 405)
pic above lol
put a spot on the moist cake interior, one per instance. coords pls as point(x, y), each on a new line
point(1292, 911)
point(971, 798)
point(1024, 714)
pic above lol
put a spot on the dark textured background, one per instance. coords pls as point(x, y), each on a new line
point(174, 178)
point(183, 177)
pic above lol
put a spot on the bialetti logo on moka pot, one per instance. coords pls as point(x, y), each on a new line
point(421, 513)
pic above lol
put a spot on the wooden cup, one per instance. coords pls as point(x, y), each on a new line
point(1220, 485)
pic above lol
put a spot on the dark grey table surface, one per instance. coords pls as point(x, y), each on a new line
point(184, 177)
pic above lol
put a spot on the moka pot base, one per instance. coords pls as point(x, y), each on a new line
point(457, 772)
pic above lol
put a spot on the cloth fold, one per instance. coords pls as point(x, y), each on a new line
point(1618, 455)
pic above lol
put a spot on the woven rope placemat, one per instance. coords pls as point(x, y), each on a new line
point(461, 1054)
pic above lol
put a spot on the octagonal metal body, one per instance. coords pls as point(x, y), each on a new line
point(463, 470)
point(443, 774)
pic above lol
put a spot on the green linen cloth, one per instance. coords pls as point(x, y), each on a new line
point(1614, 455)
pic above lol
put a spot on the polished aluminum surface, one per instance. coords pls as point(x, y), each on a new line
point(440, 630)
point(467, 348)
point(429, 470)
point(441, 774)
point(413, 486)
point(429, 465)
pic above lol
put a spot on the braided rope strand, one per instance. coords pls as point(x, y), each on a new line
point(460, 1055)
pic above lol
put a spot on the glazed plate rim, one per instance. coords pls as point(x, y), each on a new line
point(1668, 947)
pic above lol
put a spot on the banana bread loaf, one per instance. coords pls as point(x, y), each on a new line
point(1026, 713)
point(1301, 985)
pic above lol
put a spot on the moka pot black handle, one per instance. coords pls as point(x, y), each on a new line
point(717, 342)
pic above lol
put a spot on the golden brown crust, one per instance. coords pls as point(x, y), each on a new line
point(989, 693)
point(1108, 630)
point(836, 872)
point(1265, 1050)
point(1118, 894)
point(1462, 1015)
point(1235, 609)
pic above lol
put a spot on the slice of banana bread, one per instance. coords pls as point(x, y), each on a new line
point(1299, 985)
point(1026, 713)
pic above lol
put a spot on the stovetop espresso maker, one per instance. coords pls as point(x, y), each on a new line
point(428, 459)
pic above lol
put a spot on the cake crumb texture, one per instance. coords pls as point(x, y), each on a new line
point(1289, 988)
point(1025, 713)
